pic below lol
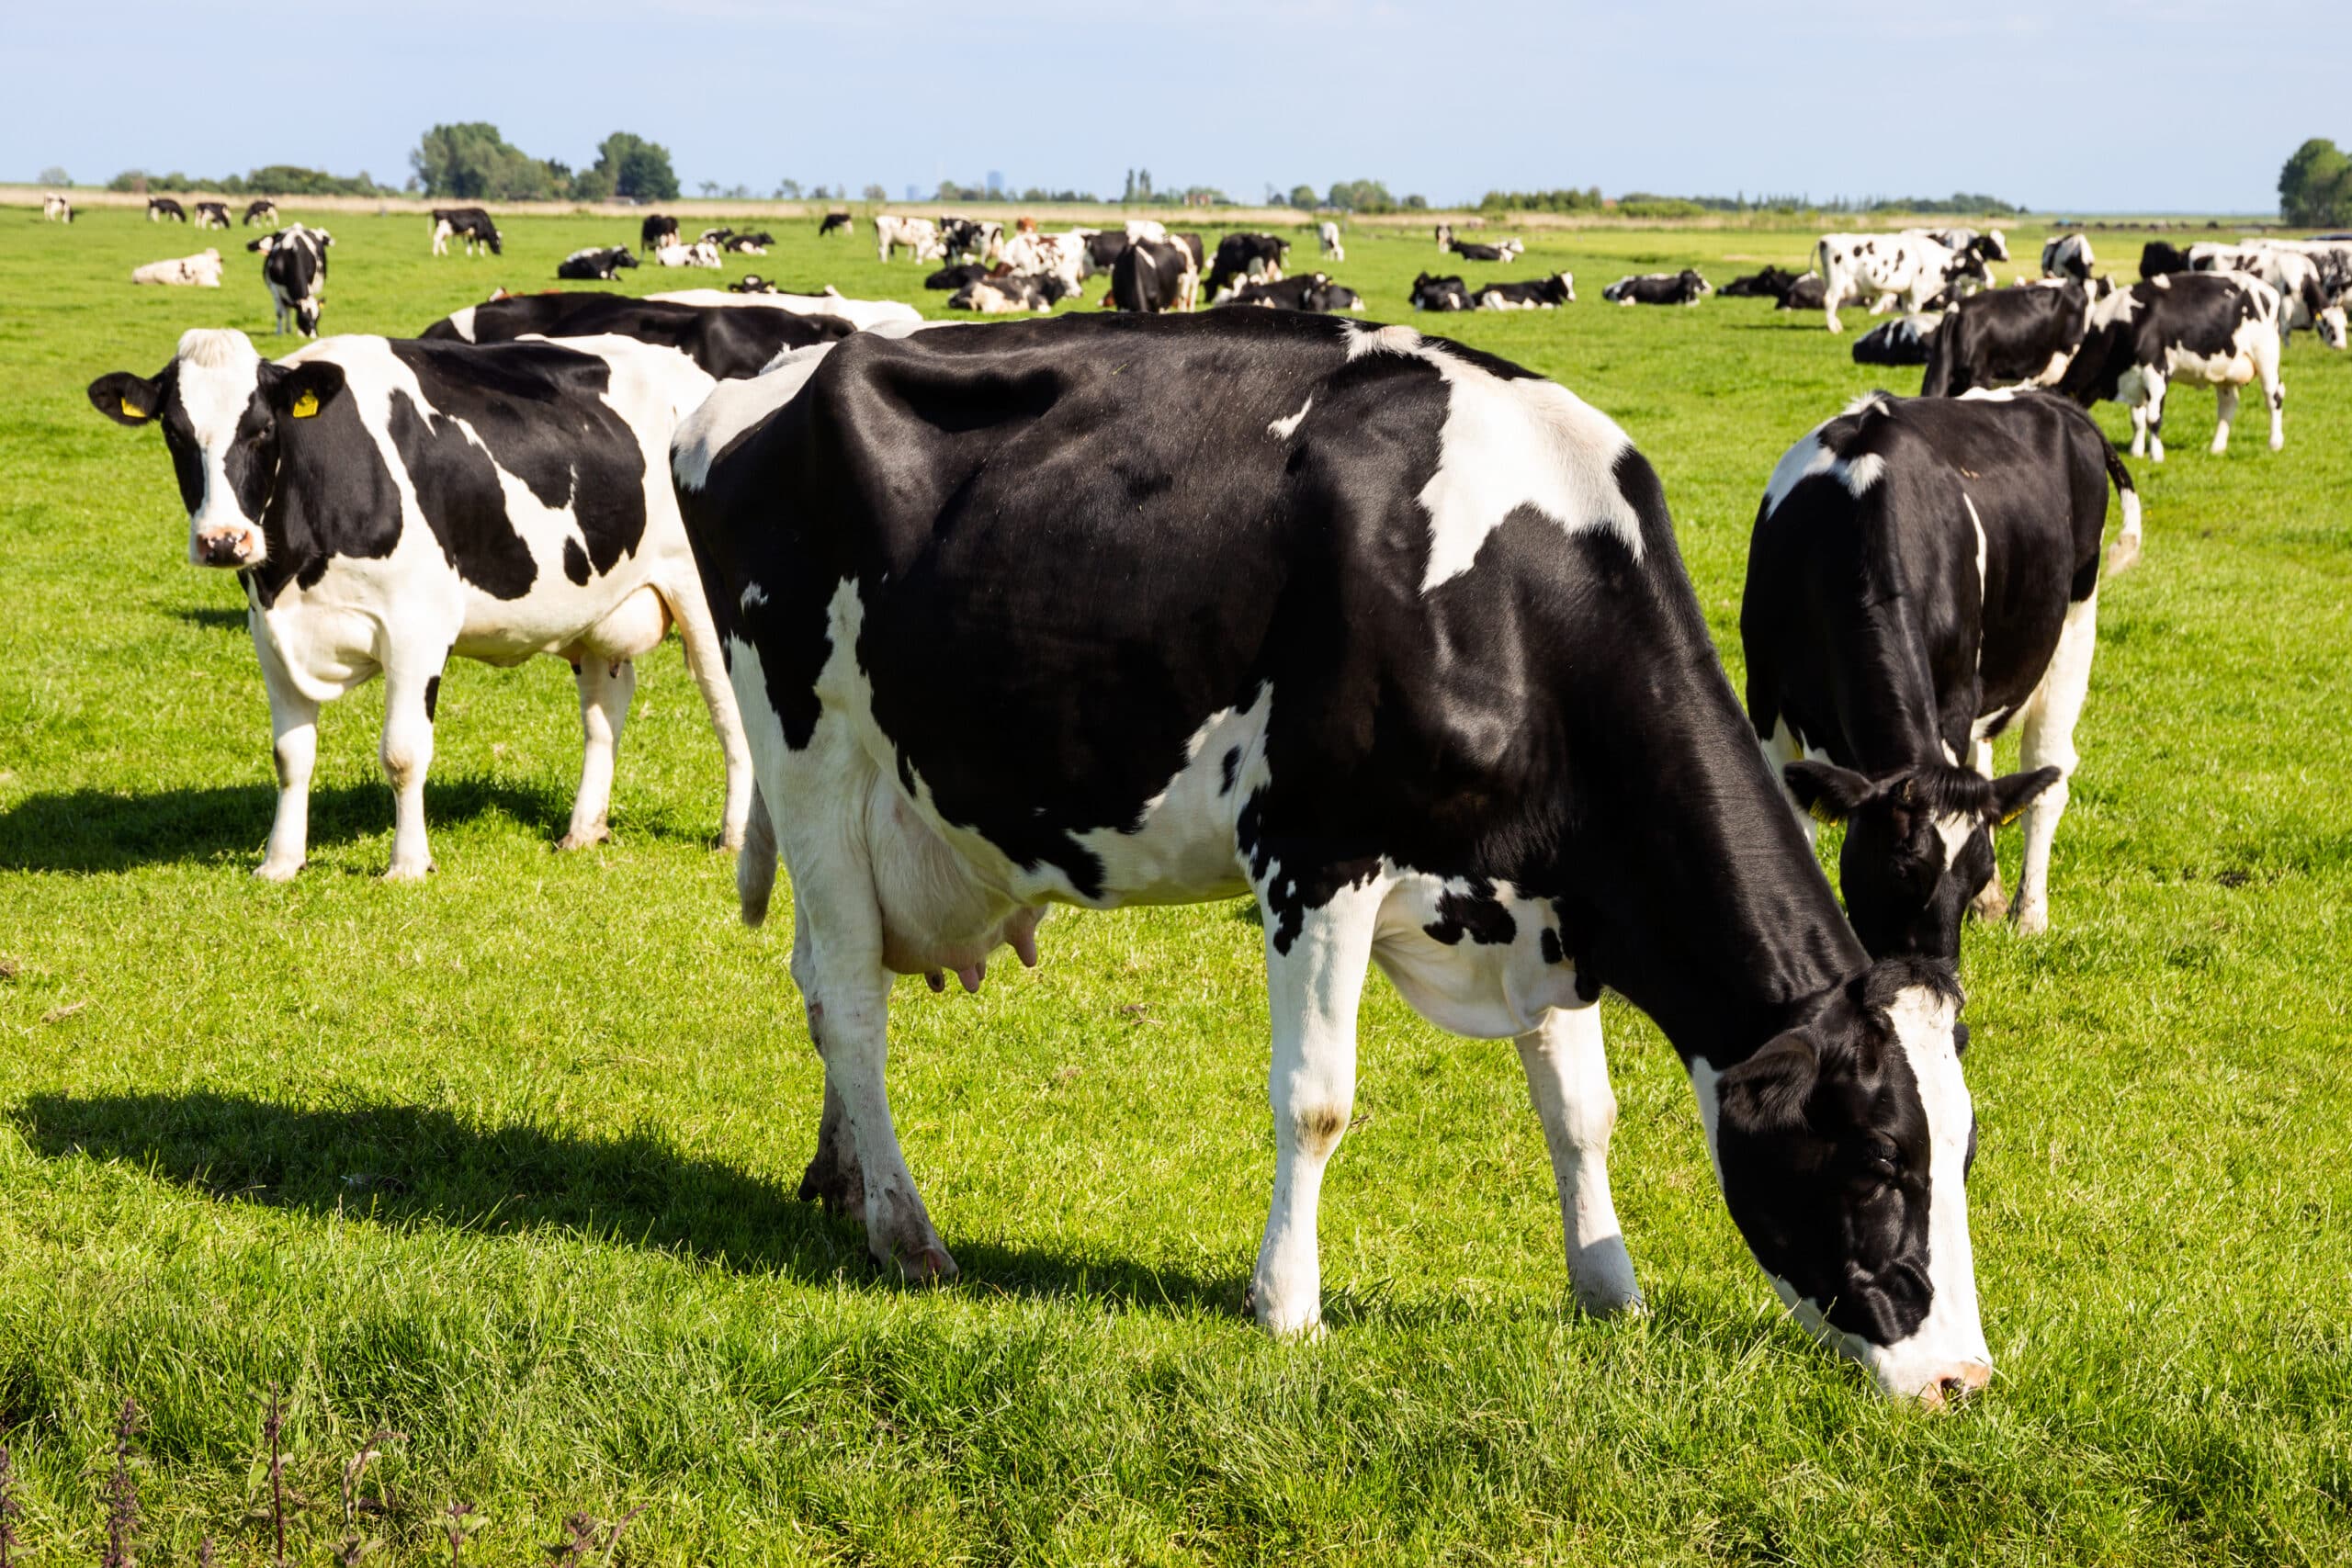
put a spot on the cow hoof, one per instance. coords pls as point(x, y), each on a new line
point(417, 871)
point(2033, 922)
point(1992, 905)
point(576, 840)
point(280, 871)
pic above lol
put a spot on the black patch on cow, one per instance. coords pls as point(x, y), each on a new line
point(1232, 768)
point(575, 563)
point(432, 698)
point(1549, 945)
point(1476, 913)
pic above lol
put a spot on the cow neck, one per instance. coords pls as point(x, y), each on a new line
point(1887, 709)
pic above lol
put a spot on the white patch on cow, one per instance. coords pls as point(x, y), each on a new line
point(1954, 829)
point(220, 371)
point(1283, 429)
point(1801, 462)
point(753, 596)
point(1861, 473)
point(462, 321)
point(732, 408)
point(1362, 341)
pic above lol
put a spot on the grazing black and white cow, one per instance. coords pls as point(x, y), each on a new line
point(1432, 292)
point(658, 230)
point(1502, 252)
point(1388, 633)
point(160, 208)
point(1772, 283)
point(1903, 341)
point(389, 504)
point(1152, 275)
point(1327, 240)
point(593, 264)
point(472, 224)
point(212, 215)
point(1305, 291)
point(2024, 336)
point(1925, 572)
point(1890, 268)
point(1535, 293)
point(2068, 255)
point(2159, 258)
point(2303, 298)
point(261, 213)
point(835, 223)
point(1011, 293)
point(2214, 328)
point(1102, 249)
point(1684, 288)
point(1257, 258)
point(724, 343)
point(1992, 244)
point(957, 276)
point(294, 265)
point(918, 237)
point(55, 208)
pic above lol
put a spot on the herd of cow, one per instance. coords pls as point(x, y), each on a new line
point(1387, 634)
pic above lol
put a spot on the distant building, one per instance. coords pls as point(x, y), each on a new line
point(914, 193)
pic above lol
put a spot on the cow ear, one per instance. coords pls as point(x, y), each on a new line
point(299, 391)
point(127, 398)
point(1831, 794)
point(1768, 1092)
point(2013, 794)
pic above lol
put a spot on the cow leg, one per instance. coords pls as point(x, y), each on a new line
point(707, 661)
point(1567, 1076)
point(410, 692)
point(294, 745)
point(2049, 742)
point(2225, 408)
point(607, 686)
point(1990, 903)
point(1313, 989)
point(2155, 412)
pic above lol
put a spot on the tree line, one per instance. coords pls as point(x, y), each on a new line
point(2315, 186)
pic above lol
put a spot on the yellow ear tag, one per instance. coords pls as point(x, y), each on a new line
point(2012, 815)
point(133, 409)
point(306, 405)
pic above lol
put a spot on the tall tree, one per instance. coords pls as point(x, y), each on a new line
point(637, 168)
point(473, 162)
point(2316, 185)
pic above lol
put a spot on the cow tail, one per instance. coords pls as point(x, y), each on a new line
point(755, 862)
point(2127, 540)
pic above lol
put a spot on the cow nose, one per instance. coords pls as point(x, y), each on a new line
point(221, 549)
point(1956, 1382)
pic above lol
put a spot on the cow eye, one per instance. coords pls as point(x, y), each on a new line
point(1881, 1159)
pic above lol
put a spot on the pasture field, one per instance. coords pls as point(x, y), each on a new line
point(506, 1162)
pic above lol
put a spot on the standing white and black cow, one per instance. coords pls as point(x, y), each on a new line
point(1992, 244)
point(1326, 240)
point(212, 215)
point(472, 224)
point(2213, 329)
point(1255, 258)
point(835, 223)
point(725, 343)
point(1925, 572)
point(390, 503)
point(918, 237)
point(1684, 288)
point(55, 208)
point(1887, 268)
point(658, 230)
point(1535, 293)
point(2303, 298)
point(1394, 637)
point(971, 239)
point(294, 267)
point(261, 213)
point(1152, 275)
point(2024, 336)
point(2068, 255)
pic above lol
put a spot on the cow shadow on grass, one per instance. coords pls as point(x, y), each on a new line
point(214, 618)
point(405, 1167)
point(98, 831)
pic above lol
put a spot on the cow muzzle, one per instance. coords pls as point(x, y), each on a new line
point(232, 548)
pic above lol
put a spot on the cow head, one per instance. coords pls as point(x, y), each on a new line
point(1843, 1148)
point(225, 413)
point(621, 258)
point(1919, 845)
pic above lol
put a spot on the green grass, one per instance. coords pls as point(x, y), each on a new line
point(506, 1162)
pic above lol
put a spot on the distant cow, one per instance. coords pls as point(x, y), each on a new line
point(2305, 299)
point(389, 504)
point(1445, 236)
point(1910, 269)
point(725, 343)
point(835, 223)
point(752, 283)
point(1992, 244)
point(1326, 239)
point(261, 213)
point(1102, 249)
point(1471, 250)
point(1061, 257)
point(658, 230)
point(212, 215)
point(1807, 293)
point(1307, 292)
point(595, 266)
point(1433, 293)
point(1772, 283)
point(2159, 258)
point(918, 236)
point(160, 208)
point(2008, 337)
point(1903, 341)
point(957, 276)
point(55, 208)
point(702, 253)
point(1153, 275)
point(1010, 293)
point(201, 270)
point(294, 265)
point(1252, 256)
point(472, 224)
point(1684, 288)
point(1535, 293)
point(827, 301)
point(2214, 329)
point(2068, 255)
point(1924, 573)
point(971, 239)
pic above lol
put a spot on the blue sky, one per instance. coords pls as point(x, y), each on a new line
point(2088, 105)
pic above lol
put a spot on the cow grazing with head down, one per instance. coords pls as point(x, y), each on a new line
point(2302, 297)
point(160, 208)
point(1261, 655)
point(1911, 269)
point(1432, 292)
point(212, 215)
point(294, 267)
point(1684, 288)
point(388, 504)
point(723, 344)
point(2024, 336)
point(261, 213)
point(55, 208)
point(2214, 329)
point(2068, 255)
point(1535, 293)
point(1256, 258)
point(1327, 240)
point(472, 224)
point(1924, 574)
point(1445, 236)
point(835, 223)
point(595, 264)
point(1152, 275)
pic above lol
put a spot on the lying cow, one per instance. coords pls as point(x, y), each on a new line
point(1910, 269)
point(1307, 292)
point(1061, 257)
point(595, 265)
point(261, 213)
point(201, 270)
point(1010, 293)
point(1684, 288)
point(1535, 293)
point(1433, 293)
point(1903, 341)
point(701, 253)
point(1152, 275)
point(1925, 572)
point(1810, 292)
point(1469, 250)
point(957, 276)
point(1255, 257)
point(751, 242)
point(472, 224)
point(918, 237)
point(2214, 328)
point(723, 344)
point(658, 230)
point(2008, 337)
point(2068, 255)
point(1257, 651)
point(294, 269)
point(1327, 240)
point(835, 223)
point(389, 504)
point(1772, 283)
